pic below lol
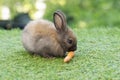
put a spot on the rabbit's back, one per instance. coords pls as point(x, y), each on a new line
point(40, 26)
point(41, 36)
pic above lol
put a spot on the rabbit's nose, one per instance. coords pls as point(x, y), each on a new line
point(73, 48)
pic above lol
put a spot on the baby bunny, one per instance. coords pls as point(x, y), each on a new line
point(49, 39)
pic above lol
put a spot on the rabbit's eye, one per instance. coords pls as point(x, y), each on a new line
point(70, 41)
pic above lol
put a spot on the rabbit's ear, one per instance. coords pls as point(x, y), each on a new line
point(60, 21)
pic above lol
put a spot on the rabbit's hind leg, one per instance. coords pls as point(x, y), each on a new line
point(46, 55)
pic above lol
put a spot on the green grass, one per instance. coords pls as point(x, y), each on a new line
point(97, 58)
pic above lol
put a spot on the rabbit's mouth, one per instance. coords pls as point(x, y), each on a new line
point(73, 48)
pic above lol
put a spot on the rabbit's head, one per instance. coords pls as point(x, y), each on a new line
point(67, 39)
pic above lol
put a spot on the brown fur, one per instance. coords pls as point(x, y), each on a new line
point(44, 38)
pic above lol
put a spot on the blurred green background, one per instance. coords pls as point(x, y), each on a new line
point(96, 24)
point(80, 13)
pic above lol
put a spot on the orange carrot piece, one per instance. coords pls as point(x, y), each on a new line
point(69, 56)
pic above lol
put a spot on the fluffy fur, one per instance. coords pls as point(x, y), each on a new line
point(49, 39)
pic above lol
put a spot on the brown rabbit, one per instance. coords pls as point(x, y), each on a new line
point(49, 39)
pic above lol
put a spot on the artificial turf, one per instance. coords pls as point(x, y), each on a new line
point(97, 57)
